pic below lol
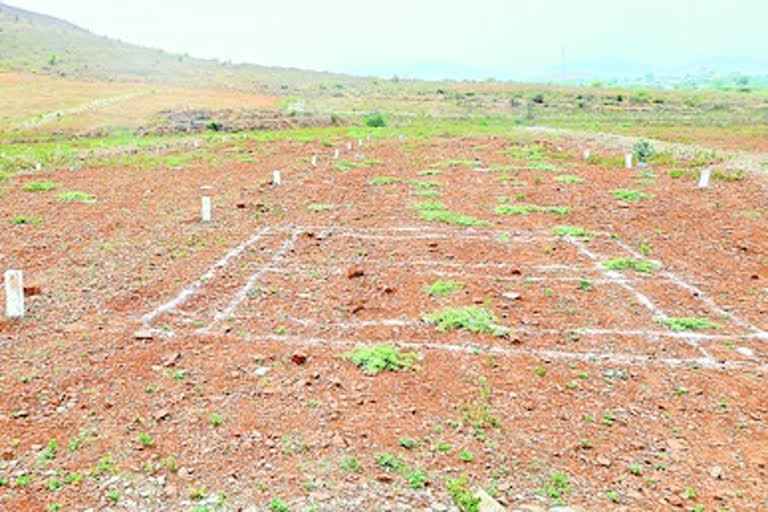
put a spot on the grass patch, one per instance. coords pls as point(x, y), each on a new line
point(75, 196)
point(680, 324)
point(569, 179)
point(525, 209)
point(434, 211)
point(320, 207)
point(728, 176)
point(23, 220)
point(573, 231)
point(626, 194)
point(542, 166)
point(441, 288)
point(621, 264)
point(378, 358)
point(345, 165)
point(676, 174)
point(470, 318)
point(424, 184)
point(40, 186)
point(383, 180)
point(461, 495)
point(429, 194)
point(525, 152)
point(456, 163)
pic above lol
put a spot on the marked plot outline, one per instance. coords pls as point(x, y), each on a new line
point(296, 281)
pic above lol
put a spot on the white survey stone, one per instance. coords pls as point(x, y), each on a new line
point(359, 143)
point(314, 160)
point(14, 294)
point(276, 177)
point(349, 146)
point(368, 137)
point(336, 153)
point(704, 178)
point(628, 160)
point(206, 209)
point(586, 154)
point(38, 166)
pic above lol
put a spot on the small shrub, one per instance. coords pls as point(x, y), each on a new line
point(630, 195)
point(417, 478)
point(350, 464)
point(569, 179)
point(687, 323)
point(383, 180)
point(471, 318)
point(525, 209)
point(643, 150)
point(462, 497)
point(71, 196)
point(375, 121)
point(440, 288)
point(378, 358)
point(278, 505)
point(573, 231)
point(40, 186)
point(620, 264)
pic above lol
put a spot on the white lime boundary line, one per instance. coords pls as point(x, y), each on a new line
point(699, 294)
point(192, 288)
point(590, 356)
point(644, 300)
point(242, 293)
point(650, 335)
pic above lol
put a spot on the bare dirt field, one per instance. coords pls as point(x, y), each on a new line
point(170, 364)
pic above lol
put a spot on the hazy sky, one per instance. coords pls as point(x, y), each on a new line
point(441, 38)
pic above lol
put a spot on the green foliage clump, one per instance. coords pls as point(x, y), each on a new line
point(573, 231)
point(620, 264)
point(40, 186)
point(687, 323)
point(462, 497)
point(434, 211)
point(525, 209)
point(378, 358)
point(643, 150)
point(375, 121)
point(74, 195)
point(626, 194)
point(569, 179)
point(440, 288)
point(470, 318)
point(383, 180)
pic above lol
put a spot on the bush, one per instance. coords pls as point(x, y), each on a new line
point(643, 150)
point(375, 121)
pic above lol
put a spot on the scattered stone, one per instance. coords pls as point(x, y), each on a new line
point(161, 415)
point(603, 461)
point(385, 478)
point(31, 291)
point(261, 371)
point(143, 334)
point(487, 504)
point(511, 296)
point(299, 358)
point(171, 359)
point(716, 472)
point(355, 272)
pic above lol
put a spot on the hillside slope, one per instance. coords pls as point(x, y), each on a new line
point(44, 44)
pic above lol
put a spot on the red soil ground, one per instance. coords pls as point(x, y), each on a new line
point(687, 415)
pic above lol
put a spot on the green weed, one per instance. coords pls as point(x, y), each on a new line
point(470, 318)
point(378, 358)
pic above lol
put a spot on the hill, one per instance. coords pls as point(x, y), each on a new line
point(43, 44)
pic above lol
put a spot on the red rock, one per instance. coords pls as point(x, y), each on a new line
point(299, 358)
point(355, 272)
point(31, 291)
